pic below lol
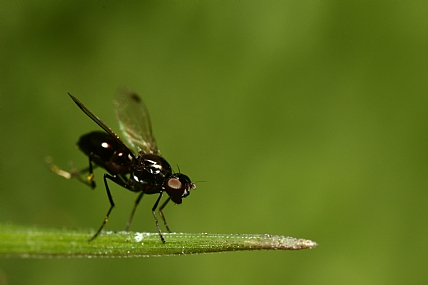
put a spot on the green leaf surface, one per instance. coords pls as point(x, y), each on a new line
point(41, 242)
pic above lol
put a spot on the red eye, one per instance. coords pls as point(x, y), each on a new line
point(174, 183)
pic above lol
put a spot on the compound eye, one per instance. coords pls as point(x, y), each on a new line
point(178, 186)
point(174, 184)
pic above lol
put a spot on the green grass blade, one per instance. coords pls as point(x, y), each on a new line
point(41, 242)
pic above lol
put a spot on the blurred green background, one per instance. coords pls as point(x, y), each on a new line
point(307, 119)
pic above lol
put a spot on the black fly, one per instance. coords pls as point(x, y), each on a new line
point(145, 172)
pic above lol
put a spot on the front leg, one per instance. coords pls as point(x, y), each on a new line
point(156, 219)
point(162, 215)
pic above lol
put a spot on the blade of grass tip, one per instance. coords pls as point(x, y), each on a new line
point(40, 242)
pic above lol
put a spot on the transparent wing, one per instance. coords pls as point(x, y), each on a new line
point(134, 121)
point(99, 122)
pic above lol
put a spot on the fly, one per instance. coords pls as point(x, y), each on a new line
point(143, 172)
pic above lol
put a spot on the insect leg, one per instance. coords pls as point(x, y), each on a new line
point(110, 198)
point(91, 174)
point(162, 215)
point(156, 219)
point(128, 224)
point(73, 173)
